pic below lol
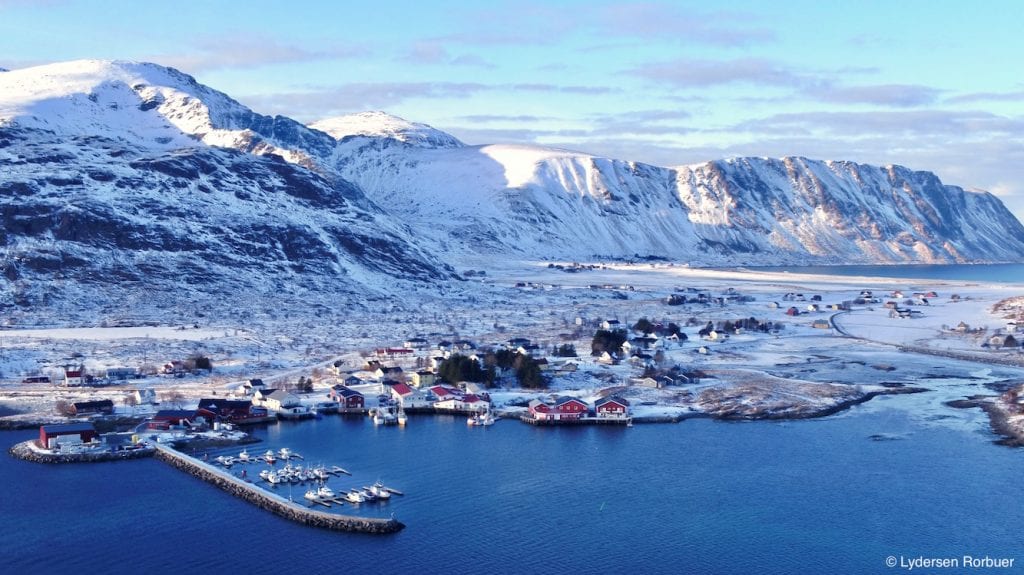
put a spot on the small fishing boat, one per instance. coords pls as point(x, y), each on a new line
point(402, 419)
point(273, 478)
point(269, 457)
point(243, 457)
point(355, 496)
point(284, 453)
point(482, 418)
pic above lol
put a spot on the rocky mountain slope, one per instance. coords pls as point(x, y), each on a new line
point(120, 179)
point(131, 183)
point(548, 203)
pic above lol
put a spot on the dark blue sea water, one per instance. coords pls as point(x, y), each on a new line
point(702, 496)
point(1011, 273)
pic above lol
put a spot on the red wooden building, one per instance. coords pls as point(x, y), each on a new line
point(570, 407)
point(565, 408)
point(347, 397)
point(165, 419)
point(229, 410)
point(611, 407)
point(49, 435)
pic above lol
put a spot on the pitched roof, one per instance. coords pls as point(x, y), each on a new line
point(67, 428)
point(611, 399)
point(215, 404)
point(563, 399)
point(175, 414)
point(97, 403)
point(401, 389)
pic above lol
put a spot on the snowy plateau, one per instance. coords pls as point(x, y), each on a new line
point(131, 192)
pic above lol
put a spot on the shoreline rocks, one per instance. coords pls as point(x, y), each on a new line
point(25, 451)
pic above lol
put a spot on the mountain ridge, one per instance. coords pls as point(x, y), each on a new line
point(118, 173)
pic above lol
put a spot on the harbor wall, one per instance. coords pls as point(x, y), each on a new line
point(274, 503)
point(25, 451)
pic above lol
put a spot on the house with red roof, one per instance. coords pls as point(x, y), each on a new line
point(564, 409)
point(443, 392)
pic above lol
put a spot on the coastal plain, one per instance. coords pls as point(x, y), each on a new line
point(829, 343)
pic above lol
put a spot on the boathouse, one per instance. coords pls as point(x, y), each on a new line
point(565, 409)
point(230, 410)
point(611, 407)
point(50, 436)
point(347, 397)
point(166, 419)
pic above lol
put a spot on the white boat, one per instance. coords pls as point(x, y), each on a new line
point(264, 474)
point(379, 491)
point(318, 473)
point(269, 457)
point(367, 494)
point(401, 418)
point(284, 453)
point(339, 470)
point(273, 478)
point(244, 456)
point(384, 416)
point(325, 492)
point(355, 496)
point(312, 495)
point(482, 418)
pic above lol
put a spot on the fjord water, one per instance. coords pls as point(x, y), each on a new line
point(1009, 273)
point(702, 496)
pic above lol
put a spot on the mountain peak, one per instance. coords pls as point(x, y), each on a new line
point(376, 124)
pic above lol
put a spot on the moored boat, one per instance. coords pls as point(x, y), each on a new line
point(482, 418)
point(379, 491)
point(355, 496)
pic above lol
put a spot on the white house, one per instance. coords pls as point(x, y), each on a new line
point(74, 376)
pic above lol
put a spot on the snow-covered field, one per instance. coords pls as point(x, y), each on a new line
point(795, 370)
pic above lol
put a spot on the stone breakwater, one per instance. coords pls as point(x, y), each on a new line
point(274, 503)
point(25, 450)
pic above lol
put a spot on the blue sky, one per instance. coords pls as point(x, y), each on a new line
point(927, 84)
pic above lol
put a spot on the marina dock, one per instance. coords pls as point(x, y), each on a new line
point(273, 502)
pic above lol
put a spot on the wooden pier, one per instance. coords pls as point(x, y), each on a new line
point(273, 502)
point(525, 418)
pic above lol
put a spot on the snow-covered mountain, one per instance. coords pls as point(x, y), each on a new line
point(546, 203)
point(122, 178)
point(380, 125)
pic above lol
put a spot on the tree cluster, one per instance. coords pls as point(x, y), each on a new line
point(565, 350)
point(607, 341)
point(458, 368)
